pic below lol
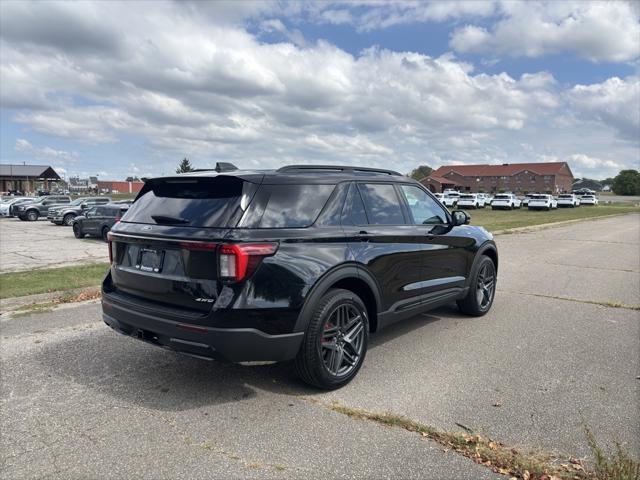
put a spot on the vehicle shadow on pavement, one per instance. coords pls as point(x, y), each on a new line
point(150, 377)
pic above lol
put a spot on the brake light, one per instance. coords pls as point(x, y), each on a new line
point(236, 261)
point(117, 219)
point(110, 245)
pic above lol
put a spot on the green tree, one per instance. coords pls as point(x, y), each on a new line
point(185, 166)
point(627, 182)
point(421, 172)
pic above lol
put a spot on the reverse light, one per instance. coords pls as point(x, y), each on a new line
point(236, 261)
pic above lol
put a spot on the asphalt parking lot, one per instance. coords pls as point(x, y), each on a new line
point(41, 244)
point(559, 350)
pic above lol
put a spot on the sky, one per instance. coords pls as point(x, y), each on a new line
point(120, 89)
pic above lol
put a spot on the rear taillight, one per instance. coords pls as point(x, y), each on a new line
point(117, 219)
point(236, 261)
point(111, 246)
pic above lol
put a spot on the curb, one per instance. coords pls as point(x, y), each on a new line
point(8, 305)
point(544, 226)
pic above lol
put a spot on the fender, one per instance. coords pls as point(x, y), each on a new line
point(484, 248)
point(325, 282)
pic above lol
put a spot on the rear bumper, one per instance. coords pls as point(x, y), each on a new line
point(226, 344)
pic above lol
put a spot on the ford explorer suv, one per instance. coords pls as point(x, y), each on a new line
point(65, 214)
point(39, 207)
point(505, 201)
point(568, 200)
point(471, 200)
point(302, 263)
point(542, 201)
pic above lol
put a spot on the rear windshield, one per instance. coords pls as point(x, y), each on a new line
point(191, 202)
point(466, 197)
point(565, 196)
point(502, 197)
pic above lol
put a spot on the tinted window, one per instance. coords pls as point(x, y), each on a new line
point(382, 204)
point(353, 212)
point(192, 202)
point(289, 206)
point(424, 209)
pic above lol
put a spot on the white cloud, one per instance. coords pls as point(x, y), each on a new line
point(185, 84)
point(614, 103)
point(598, 31)
point(24, 147)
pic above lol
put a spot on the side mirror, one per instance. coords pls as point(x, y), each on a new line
point(83, 206)
point(460, 217)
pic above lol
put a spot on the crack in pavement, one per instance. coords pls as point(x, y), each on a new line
point(593, 268)
point(577, 300)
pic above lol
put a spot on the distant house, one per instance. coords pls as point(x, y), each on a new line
point(27, 178)
point(552, 177)
point(587, 183)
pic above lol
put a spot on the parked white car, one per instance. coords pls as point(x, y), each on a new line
point(439, 196)
point(5, 206)
point(589, 200)
point(450, 198)
point(526, 198)
point(471, 200)
point(486, 197)
point(505, 201)
point(542, 202)
point(568, 200)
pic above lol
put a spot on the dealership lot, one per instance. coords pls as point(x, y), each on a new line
point(41, 244)
point(553, 355)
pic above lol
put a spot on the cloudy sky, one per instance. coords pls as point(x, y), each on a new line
point(120, 89)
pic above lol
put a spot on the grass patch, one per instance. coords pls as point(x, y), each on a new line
point(19, 284)
point(618, 466)
point(503, 219)
point(505, 460)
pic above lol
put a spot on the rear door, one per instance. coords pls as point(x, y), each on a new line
point(165, 247)
point(92, 218)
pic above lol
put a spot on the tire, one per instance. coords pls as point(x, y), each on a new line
point(494, 208)
point(105, 232)
point(480, 297)
point(511, 207)
point(77, 231)
point(32, 215)
point(321, 361)
point(68, 219)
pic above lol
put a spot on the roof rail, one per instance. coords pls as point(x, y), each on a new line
point(338, 168)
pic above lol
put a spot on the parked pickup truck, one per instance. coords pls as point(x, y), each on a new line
point(64, 215)
point(39, 207)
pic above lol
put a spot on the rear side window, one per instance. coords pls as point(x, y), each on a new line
point(353, 212)
point(287, 206)
point(382, 204)
point(191, 202)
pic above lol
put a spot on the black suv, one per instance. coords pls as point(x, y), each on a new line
point(97, 221)
point(298, 263)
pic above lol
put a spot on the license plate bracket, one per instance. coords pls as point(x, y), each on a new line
point(150, 260)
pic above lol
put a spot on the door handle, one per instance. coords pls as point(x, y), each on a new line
point(363, 235)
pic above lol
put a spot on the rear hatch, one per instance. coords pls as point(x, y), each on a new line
point(164, 250)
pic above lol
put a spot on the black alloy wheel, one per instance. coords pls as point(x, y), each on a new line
point(482, 289)
point(32, 215)
point(77, 231)
point(335, 343)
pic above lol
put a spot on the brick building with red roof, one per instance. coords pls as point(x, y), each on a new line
point(553, 177)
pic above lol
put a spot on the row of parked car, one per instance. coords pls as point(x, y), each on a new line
point(510, 201)
point(93, 216)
